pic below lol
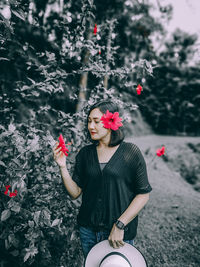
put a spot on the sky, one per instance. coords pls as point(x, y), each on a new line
point(185, 15)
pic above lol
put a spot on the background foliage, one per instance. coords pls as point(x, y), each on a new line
point(172, 100)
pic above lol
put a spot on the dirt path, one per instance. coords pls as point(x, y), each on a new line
point(168, 232)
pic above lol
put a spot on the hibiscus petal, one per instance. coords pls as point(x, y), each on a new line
point(160, 151)
point(62, 145)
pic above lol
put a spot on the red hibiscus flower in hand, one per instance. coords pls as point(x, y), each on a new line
point(111, 120)
point(62, 145)
point(160, 151)
point(95, 29)
point(139, 89)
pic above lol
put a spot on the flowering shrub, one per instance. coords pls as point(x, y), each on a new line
point(40, 219)
point(41, 56)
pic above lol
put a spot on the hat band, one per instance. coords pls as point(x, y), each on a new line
point(116, 253)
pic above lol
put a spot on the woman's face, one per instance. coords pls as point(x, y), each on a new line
point(95, 126)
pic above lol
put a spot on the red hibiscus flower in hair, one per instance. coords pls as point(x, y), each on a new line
point(95, 29)
point(160, 151)
point(111, 120)
point(139, 89)
point(62, 145)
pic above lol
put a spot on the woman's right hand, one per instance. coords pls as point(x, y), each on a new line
point(59, 156)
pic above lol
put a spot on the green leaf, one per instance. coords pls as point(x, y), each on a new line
point(91, 2)
point(13, 2)
point(3, 58)
point(5, 215)
point(11, 128)
point(55, 222)
point(36, 217)
point(28, 254)
point(15, 253)
point(17, 162)
point(14, 186)
point(7, 245)
point(20, 14)
point(31, 224)
point(46, 217)
point(32, 251)
point(16, 208)
point(35, 93)
point(2, 164)
point(73, 236)
point(13, 241)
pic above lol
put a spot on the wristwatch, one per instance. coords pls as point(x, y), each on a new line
point(120, 225)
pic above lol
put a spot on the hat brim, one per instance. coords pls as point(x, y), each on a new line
point(101, 249)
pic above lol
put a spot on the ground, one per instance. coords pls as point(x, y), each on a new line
point(169, 232)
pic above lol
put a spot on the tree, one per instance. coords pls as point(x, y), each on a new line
point(48, 53)
point(172, 102)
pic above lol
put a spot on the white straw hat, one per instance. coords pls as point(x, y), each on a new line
point(103, 255)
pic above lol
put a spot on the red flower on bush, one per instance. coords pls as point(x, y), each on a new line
point(95, 29)
point(13, 194)
point(7, 187)
point(160, 151)
point(62, 145)
point(111, 120)
point(139, 89)
point(99, 52)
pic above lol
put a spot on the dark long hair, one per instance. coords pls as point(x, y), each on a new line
point(116, 136)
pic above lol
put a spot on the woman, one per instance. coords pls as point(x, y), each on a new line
point(111, 176)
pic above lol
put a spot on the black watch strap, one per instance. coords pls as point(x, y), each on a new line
point(120, 225)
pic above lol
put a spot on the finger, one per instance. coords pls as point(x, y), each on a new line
point(115, 244)
point(57, 155)
point(121, 243)
point(60, 153)
point(57, 150)
point(55, 146)
point(118, 245)
point(110, 242)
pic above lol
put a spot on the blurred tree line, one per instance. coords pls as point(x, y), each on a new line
point(53, 67)
point(172, 100)
point(46, 46)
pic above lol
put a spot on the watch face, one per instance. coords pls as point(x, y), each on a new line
point(120, 225)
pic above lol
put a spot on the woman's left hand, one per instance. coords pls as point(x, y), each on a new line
point(116, 237)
